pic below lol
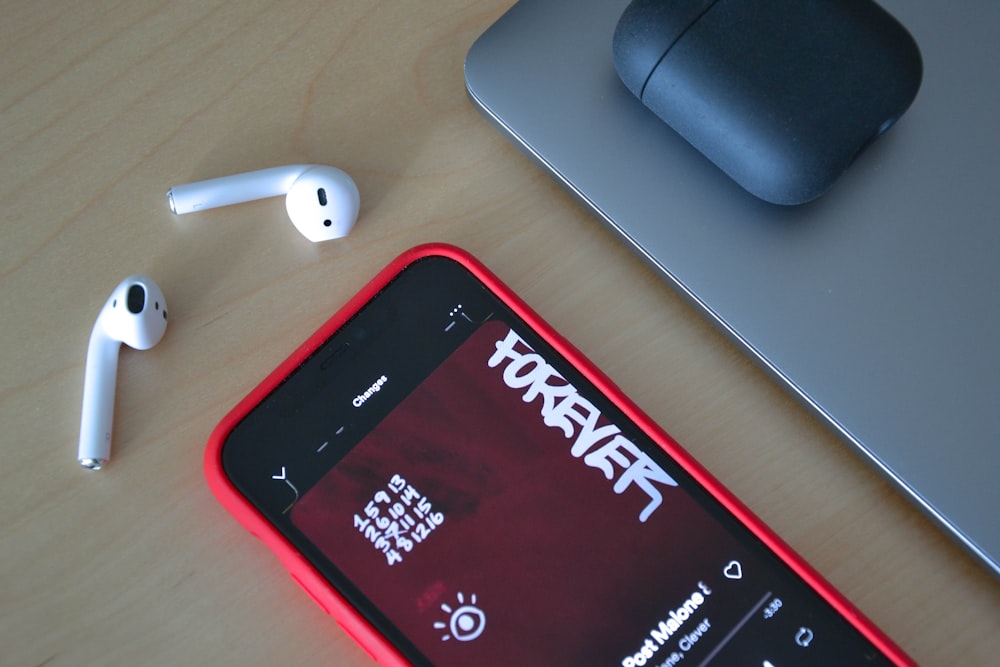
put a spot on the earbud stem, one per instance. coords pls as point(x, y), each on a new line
point(234, 189)
point(98, 399)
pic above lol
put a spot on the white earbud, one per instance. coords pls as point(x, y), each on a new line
point(135, 314)
point(322, 202)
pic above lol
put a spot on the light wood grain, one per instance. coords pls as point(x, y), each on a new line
point(104, 105)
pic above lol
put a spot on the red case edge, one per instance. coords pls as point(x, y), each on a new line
point(343, 612)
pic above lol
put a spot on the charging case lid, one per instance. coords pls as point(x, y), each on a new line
point(782, 95)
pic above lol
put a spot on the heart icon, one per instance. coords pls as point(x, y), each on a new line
point(734, 570)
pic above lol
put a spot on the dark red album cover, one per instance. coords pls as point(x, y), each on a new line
point(498, 518)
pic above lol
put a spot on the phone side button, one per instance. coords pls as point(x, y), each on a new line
point(312, 595)
point(354, 638)
point(343, 627)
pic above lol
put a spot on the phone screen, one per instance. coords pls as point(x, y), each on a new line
point(481, 503)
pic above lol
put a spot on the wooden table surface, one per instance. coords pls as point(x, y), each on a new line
point(104, 105)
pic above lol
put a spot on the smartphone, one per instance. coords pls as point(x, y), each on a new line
point(457, 485)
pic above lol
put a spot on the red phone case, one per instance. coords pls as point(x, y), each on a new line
point(343, 612)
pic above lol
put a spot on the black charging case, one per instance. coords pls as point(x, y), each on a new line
point(781, 95)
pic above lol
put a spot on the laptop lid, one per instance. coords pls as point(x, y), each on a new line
point(878, 305)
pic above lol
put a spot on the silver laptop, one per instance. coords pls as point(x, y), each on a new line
point(878, 305)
